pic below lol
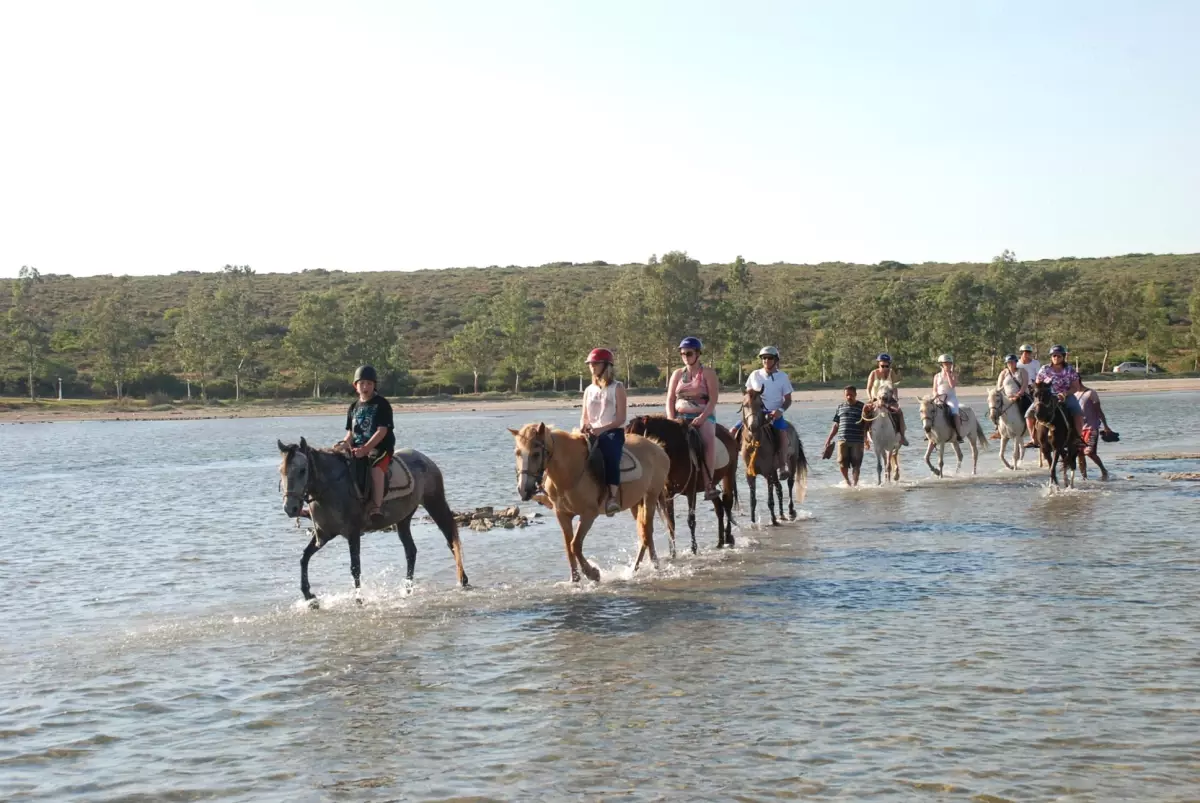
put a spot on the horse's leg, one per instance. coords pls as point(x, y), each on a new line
point(879, 467)
point(929, 453)
point(589, 571)
point(753, 483)
point(791, 496)
point(691, 497)
point(728, 489)
point(1003, 449)
point(566, 522)
point(404, 530)
point(667, 505)
point(958, 452)
point(439, 510)
point(974, 457)
point(645, 525)
point(771, 483)
point(309, 551)
point(355, 566)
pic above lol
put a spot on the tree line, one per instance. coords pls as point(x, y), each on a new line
point(527, 336)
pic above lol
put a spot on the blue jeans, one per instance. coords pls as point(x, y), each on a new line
point(611, 444)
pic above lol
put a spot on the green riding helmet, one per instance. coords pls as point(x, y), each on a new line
point(366, 372)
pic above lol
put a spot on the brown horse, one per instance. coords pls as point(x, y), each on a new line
point(758, 446)
point(558, 462)
point(1054, 430)
point(686, 477)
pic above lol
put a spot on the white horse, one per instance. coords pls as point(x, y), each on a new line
point(936, 422)
point(1010, 425)
point(885, 438)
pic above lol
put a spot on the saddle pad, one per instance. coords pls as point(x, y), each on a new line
point(398, 482)
point(720, 455)
point(631, 467)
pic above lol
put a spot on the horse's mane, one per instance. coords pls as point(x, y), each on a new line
point(669, 434)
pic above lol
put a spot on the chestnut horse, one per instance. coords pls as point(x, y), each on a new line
point(686, 478)
point(558, 463)
point(1054, 431)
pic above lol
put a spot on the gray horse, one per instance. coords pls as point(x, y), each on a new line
point(322, 478)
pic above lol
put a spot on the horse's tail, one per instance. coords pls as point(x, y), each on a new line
point(801, 477)
point(980, 435)
point(439, 510)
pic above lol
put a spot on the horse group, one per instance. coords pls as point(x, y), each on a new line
point(663, 459)
point(558, 469)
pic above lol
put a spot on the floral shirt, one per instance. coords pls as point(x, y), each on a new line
point(1060, 381)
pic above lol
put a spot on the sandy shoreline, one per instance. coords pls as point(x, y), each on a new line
point(831, 395)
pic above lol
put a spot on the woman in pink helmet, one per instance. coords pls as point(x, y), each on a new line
point(603, 419)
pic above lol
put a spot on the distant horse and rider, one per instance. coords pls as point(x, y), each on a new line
point(885, 431)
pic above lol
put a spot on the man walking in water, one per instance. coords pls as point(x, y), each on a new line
point(848, 427)
point(1093, 421)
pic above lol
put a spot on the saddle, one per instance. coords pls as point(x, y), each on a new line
point(696, 448)
point(631, 467)
point(397, 482)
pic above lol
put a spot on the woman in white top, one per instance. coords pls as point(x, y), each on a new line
point(944, 383)
point(603, 420)
point(1013, 381)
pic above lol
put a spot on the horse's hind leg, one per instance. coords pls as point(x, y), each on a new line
point(1004, 457)
point(410, 547)
point(791, 496)
point(355, 567)
point(771, 484)
point(692, 518)
point(667, 506)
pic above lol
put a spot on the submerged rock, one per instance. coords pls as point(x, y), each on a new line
point(483, 519)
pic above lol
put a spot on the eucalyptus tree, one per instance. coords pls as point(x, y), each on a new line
point(28, 328)
point(111, 332)
point(316, 337)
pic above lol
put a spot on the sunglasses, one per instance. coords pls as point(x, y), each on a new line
point(687, 353)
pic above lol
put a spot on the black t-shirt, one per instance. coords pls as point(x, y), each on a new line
point(364, 417)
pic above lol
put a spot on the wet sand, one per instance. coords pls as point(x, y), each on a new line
point(50, 411)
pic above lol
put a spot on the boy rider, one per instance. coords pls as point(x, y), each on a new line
point(369, 432)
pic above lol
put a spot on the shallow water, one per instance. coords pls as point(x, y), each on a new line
point(963, 638)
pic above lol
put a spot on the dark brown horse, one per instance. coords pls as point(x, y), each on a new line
point(1054, 430)
point(686, 478)
point(759, 446)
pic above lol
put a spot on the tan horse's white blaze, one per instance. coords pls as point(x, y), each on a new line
point(557, 461)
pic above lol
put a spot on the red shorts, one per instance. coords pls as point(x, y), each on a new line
point(383, 462)
point(1090, 437)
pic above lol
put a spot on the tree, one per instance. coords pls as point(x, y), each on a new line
point(1108, 317)
point(28, 330)
point(732, 313)
point(954, 328)
point(559, 347)
point(373, 328)
point(1155, 323)
point(1042, 293)
point(674, 290)
point(510, 315)
point(474, 347)
point(1194, 329)
point(999, 296)
point(197, 338)
point(238, 322)
point(316, 337)
point(111, 331)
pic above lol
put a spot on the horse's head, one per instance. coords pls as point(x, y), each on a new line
point(995, 400)
point(1047, 402)
point(533, 455)
point(638, 425)
point(754, 417)
point(928, 411)
point(887, 392)
point(295, 475)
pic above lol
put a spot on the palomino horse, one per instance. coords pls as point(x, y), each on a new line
point(1010, 424)
point(885, 437)
point(1054, 430)
point(321, 477)
point(936, 421)
point(758, 448)
point(558, 461)
point(686, 477)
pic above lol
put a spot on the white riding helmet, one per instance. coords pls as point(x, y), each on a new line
point(769, 351)
point(946, 358)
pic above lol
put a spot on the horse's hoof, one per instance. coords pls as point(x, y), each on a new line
point(358, 601)
point(313, 604)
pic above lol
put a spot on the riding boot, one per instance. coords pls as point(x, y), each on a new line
point(954, 423)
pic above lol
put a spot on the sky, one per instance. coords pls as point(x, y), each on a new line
point(147, 138)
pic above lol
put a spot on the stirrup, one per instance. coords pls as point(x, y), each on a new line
point(712, 494)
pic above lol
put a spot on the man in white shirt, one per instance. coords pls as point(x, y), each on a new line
point(776, 390)
point(1027, 362)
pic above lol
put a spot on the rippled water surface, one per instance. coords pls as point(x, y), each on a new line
point(975, 638)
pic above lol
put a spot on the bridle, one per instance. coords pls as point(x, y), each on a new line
point(304, 494)
point(545, 454)
point(751, 431)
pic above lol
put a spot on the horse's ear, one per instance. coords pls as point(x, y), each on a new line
point(541, 429)
point(513, 431)
point(282, 449)
point(304, 445)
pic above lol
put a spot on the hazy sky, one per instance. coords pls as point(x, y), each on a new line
point(161, 136)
